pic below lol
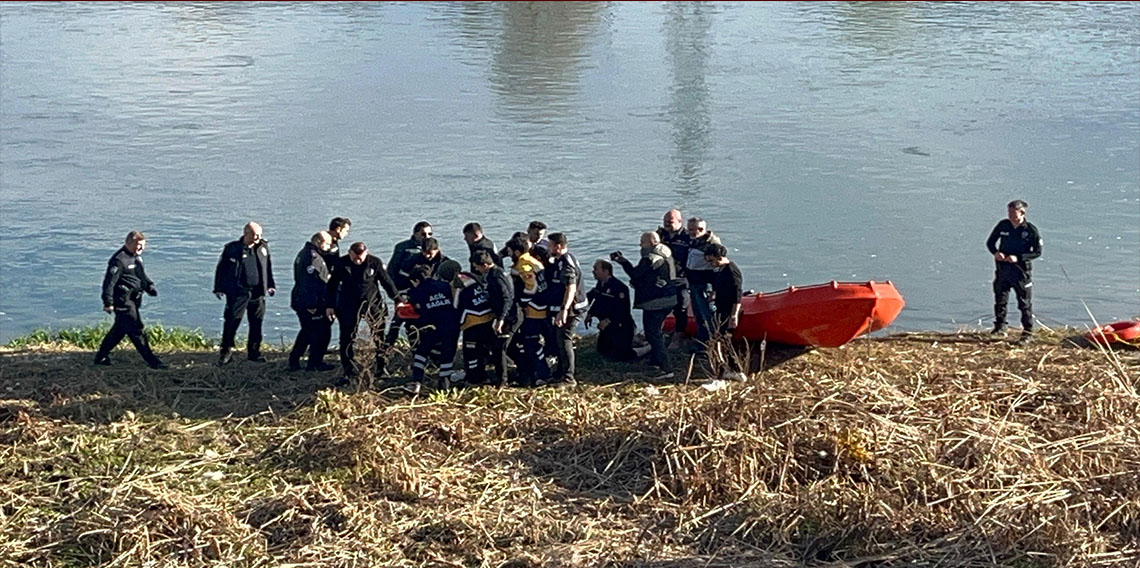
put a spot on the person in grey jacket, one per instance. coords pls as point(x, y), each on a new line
point(654, 293)
point(699, 274)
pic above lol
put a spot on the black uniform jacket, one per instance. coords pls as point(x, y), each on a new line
point(1023, 241)
point(400, 253)
point(435, 304)
point(501, 293)
point(228, 274)
point(310, 279)
point(565, 270)
point(610, 301)
point(352, 284)
point(680, 244)
point(410, 263)
point(125, 280)
point(483, 243)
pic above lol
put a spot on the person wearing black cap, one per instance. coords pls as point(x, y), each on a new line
point(309, 299)
point(123, 286)
point(353, 295)
point(1015, 244)
point(244, 276)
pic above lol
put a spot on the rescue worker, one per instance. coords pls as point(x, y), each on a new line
point(698, 274)
point(728, 290)
point(567, 301)
point(609, 304)
point(354, 294)
point(400, 253)
point(476, 241)
point(244, 276)
point(476, 322)
point(438, 324)
point(123, 286)
point(309, 299)
point(654, 294)
point(673, 235)
point(529, 278)
point(501, 297)
point(1015, 244)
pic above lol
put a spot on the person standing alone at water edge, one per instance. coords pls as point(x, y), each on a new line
point(244, 276)
point(123, 287)
point(1015, 243)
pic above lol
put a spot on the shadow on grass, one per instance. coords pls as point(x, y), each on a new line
point(67, 386)
point(596, 370)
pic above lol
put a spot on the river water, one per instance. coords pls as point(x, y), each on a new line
point(821, 141)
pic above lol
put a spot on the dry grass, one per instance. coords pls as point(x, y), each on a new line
point(921, 450)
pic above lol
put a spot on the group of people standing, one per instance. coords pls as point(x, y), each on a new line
point(522, 302)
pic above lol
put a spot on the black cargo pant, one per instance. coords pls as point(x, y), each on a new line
point(479, 347)
point(615, 342)
point(239, 304)
point(564, 346)
point(349, 315)
point(526, 350)
point(315, 334)
point(127, 324)
point(442, 340)
point(1010, 276)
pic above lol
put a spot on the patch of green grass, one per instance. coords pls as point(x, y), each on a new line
point(89, 337)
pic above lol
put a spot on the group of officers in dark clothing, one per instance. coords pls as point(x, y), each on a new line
point(522, 302)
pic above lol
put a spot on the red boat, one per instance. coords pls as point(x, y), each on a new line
point(1117, 332)
point(821, 315)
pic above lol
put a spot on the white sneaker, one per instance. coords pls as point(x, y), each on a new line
point(735, 376)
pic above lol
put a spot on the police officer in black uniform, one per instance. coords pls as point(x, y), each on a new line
point(354, 294)
point(244, 276)
point(610, 305)
point(400, 253)
point(123, 287)
point(309, 299)
point(567, 304)
point(1015, 243)
point(505, 313)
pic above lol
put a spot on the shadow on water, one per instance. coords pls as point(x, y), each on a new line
point(68, 387)
point(687, 49)
point(537, 63)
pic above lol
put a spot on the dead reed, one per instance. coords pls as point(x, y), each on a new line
point(920, 450)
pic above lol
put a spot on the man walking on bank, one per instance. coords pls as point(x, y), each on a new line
point(309, 299)
point(123, 287)
point(354, 288)
point(244, 277)
point(1015, 243)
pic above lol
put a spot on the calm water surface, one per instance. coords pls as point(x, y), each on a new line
point(821, 141)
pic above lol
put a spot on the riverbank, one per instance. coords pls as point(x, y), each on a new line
point(916, 450)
